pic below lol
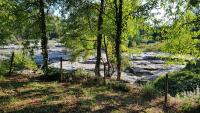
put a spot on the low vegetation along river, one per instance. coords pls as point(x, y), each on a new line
point(144, 66)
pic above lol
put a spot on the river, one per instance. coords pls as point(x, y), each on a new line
point(143, 67)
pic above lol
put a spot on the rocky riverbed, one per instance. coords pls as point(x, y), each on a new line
point(148, 66)
point(145, 66)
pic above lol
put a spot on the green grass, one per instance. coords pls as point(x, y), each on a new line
point(150, 92)
point(78, 97)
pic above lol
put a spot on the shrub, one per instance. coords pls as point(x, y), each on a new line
point(179, 82)
point(22, 61)
point(149, 91)
point(193, 66)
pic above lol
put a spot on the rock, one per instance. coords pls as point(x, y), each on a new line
point(139, 71)
point(151, 58)
point(150, 67)
point(142, 62)
point(157, 61)
point(137, 58)
point(141, 81)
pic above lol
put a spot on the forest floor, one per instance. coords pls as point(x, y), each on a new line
point(19, 94)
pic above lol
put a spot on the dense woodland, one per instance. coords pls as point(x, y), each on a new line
point(104, 56)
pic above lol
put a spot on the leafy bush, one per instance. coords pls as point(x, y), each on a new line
point(193, 66)
point(149, 91)
point(179, 82)
point(20, 62)
point(24, 62)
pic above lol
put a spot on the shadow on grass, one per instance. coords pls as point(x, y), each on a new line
point(114, 102)
point(39, 109)
point(13, 84)
point(57, 108)
point(100, 98)
point(36, 93)
point(7, 99)
point(75, 91)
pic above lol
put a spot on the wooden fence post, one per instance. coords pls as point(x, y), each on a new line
point(166, 91)
point(105, 74)
point(11, 63)
point(61, 70)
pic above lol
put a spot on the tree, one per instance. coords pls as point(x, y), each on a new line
point(6, 18)
point(44, 39)
point(181, 27)
point(79, 28)
point(99, 38)
point(82, 19)
point(26, 23)
point(119, 27)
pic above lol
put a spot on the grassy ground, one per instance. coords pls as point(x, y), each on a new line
point(19, 94)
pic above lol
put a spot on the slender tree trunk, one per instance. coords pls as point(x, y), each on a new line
point(99, 39)
point(107, 58)
point(44, 39)
point(119, 14)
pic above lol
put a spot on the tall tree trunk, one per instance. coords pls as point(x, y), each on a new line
point(99, 39)
point(118, 22)
point(44, 39)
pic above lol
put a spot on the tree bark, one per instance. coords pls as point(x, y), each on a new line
point(44, 39)
point(118, 22)
point(99, 39)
